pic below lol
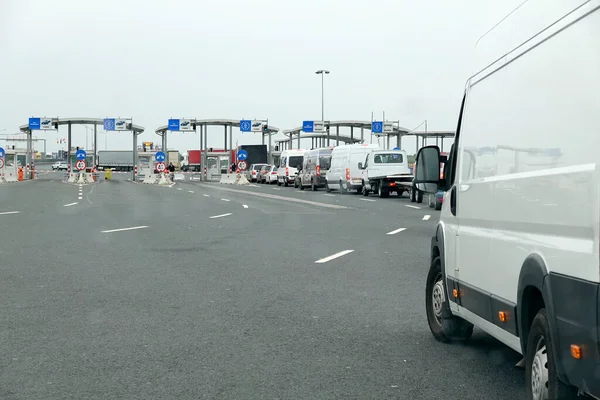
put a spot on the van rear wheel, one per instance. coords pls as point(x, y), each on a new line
point(327, 189)
point(342, 188)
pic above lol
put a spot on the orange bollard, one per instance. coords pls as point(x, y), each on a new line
point(20, 174)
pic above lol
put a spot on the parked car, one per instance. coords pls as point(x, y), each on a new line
point(253, 171)
point(516, 250)
point(261, 175)
point(315, 165)
point(271, 174)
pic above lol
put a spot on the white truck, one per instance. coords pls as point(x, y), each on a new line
point(386, 171)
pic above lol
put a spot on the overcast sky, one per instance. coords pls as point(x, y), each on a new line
point(235, 59)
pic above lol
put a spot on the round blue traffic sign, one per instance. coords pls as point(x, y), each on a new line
point(2, 152)
point(160, 156)
point(80, 154)
point(242, 155)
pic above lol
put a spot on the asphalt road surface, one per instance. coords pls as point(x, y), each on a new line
point(203, 291)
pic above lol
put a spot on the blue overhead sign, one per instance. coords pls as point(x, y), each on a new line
point(109, 124)
point(377, 127)
point(160, 156)
point(242, 155)
point(246, 125)
point(173, 125)
point(34, 123)
point(2, 152)
point(308, 126)
point(80, 154)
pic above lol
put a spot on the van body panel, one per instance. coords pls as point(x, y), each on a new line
point(345, 159)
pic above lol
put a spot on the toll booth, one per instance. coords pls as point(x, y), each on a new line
point(146, 163)
point(13, 159)
point(218, 163)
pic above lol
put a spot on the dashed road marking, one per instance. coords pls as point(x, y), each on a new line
point(225, 199)
point(396, 231)
point(426, 217)
point(333, 256)
point(220, 216)
point(206, 195)
point(245, 206)
point(366, 199)
point(70, 204)
point(190, 191)
point(415, 207)
point(125, 229)
point(9, 212)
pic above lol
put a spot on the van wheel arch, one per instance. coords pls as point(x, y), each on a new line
point(533, 294)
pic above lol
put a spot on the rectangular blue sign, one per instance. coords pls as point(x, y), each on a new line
point(308, 126)
point(34, 123)
point(377, 127)
point(173, 125)
point(245, 125)
point(109, 124)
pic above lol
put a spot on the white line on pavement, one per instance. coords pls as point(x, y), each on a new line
point(426, 217)
point(396, 231)
point(179, 189)
point(70, 204)
point(9, 212)
point(366, 199)
point(190, 191)
point(206, 195)
point(276, 188)
point(333, 256)
point(125, 229)
point(224, 199)
point(245, 206)
point(415, 207)
point(330, 195)
point(222, 215)
point(80, 198)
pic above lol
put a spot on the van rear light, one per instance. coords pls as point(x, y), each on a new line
point(287, 171)
point(347, 174)
point(318, 170)
point(392, 183)
point(274, 173)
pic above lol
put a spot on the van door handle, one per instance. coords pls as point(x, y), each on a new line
point(453, 200)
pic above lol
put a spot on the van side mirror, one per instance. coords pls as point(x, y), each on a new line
point(360, 165)
point(427, 176)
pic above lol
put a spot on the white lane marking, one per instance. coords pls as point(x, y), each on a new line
point(366, 199)
point(254, 185)
point(179, 189)
point(276, 188)
point(330, 195)
point(245, 206)
point(222, 215)
point(333, 256)
point(80, 198)
point(224, 199)
point(426, 217)
point(70, 204)
point(396, 231)
point(415, 207)
point(9, 212)
point(171, 185)
point(125, 229)
point(206, 195)
point(190, 191)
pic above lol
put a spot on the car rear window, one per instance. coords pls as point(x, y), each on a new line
point(391, 158)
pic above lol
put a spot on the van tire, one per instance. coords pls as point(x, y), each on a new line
point(295, 184)
point(365, 191)
point(443, 329)
point(327, 189)
point(278, 182)
point(418, 196)
point(301, 186)
point(382, 192)
point(286, 184)
point(343, 190)
point(313, 186)
point(540, 351)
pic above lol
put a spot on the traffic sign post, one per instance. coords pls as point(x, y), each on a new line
point(242, 165)
point(161, 167)
point(80, 165)
point(80, 154)
point(242, 155)
point(160, 156)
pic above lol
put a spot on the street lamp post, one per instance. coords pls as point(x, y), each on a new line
point(322, 72)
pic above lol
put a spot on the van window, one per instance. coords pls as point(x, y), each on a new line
point(295, 161)
point(391, 158)
point(282, 165)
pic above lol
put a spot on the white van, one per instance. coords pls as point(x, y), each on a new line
point(344, 173)
point(289, 162)
point(516, 250)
